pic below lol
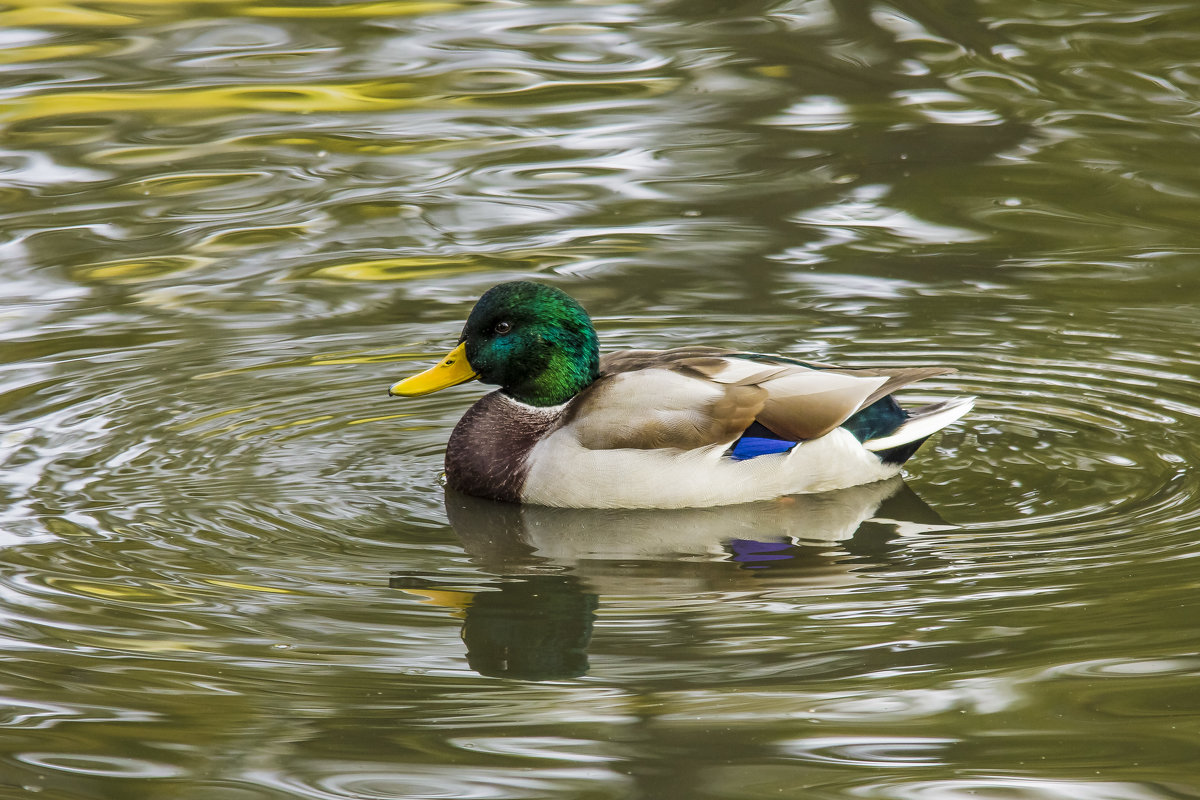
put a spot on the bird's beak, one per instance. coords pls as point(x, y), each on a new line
point(450, 371)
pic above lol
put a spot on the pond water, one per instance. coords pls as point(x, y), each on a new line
point(228, 569)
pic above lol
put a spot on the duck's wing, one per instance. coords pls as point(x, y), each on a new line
point(694, 397)
point(805, 405)
point(654, 399)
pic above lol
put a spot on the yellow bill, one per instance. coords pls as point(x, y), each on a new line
point(446, 598)
point(450, 371)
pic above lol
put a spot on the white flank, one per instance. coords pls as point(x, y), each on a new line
point(564, 473)
point(923, 424)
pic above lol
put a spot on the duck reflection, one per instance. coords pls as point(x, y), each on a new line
point(555, 564)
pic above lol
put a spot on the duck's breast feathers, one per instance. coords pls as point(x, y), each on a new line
point(694, 397)
point(488, 451)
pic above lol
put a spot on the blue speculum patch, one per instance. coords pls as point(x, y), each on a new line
point(758, 440)
point(751, 447)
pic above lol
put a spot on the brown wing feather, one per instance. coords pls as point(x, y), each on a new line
point(810, 416)
point(700, 396)
point(631, 360)
point(897, 377)
point(603, 416)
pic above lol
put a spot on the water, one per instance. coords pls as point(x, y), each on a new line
point(228, 569)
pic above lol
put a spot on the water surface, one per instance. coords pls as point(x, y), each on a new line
point(229, 570)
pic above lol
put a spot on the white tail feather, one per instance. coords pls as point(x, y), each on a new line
point(923, 422)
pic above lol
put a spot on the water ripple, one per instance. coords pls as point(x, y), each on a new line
point(229, 564)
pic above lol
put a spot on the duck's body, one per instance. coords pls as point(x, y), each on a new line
point(694, 426)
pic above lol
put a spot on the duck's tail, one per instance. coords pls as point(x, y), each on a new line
point(922, 423)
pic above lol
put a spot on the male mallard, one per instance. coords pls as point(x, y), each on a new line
point(691, 426)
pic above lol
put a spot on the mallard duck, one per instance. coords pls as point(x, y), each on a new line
point(686, 427)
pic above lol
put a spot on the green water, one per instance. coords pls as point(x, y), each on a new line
point(228, 570)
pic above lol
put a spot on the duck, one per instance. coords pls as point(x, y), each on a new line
point(689, 427)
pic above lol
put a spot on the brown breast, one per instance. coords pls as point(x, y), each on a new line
point(488, 450)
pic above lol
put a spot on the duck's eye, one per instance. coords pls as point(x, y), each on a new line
point(503, 327)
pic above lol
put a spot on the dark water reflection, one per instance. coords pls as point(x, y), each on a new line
point(228, 569)
point(557, 564)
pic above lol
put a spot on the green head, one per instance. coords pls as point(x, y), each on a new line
point(535, 341)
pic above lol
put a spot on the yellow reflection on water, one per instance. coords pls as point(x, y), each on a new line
point(384, 418)
point(188, 182)
point(183, 426)
point(109, 13)
point(373, 358)
point(398, 269)
point(379, 9)
point(128, 643)
point(121, 592)
point(366, 96)
point(358, 145)
point(30, 13)
point(137, 270)
point(242, 238)
point(46, 52)
point(250, 587)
